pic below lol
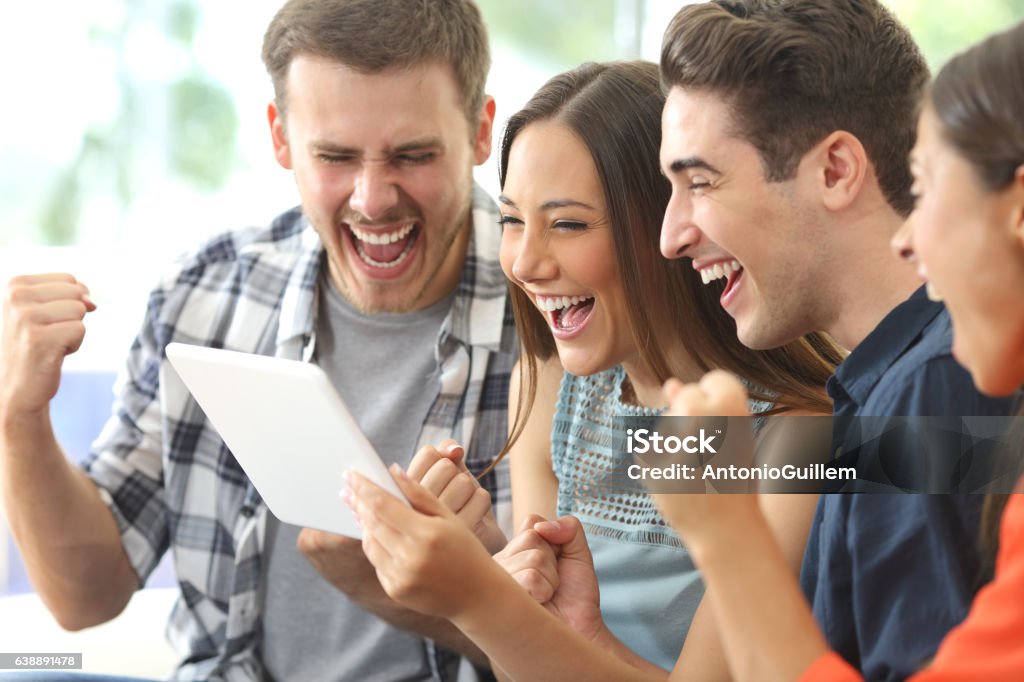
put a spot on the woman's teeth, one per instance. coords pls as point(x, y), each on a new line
point(551, 303)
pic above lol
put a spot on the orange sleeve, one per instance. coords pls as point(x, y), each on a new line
point(830, 668)
point(989, 644)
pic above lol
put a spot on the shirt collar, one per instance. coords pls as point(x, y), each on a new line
point(871, 359)
point(297, 321)
point(480, 314)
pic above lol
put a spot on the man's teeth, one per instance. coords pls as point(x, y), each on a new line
point(382, 237)
point(719, 270)
point(551, 303)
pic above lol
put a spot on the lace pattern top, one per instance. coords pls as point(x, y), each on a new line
point(649, 585)
point(584, 461)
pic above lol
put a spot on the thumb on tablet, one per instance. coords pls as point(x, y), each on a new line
point(419, 497)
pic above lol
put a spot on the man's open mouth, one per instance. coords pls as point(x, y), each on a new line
point(731, 271)
point(384, 249)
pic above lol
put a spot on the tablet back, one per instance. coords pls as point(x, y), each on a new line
point(287, 427)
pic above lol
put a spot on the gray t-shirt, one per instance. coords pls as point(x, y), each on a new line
point(384, 368)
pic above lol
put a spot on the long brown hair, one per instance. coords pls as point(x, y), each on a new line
point(995, 503)
point(982, 118)
point(615, 110)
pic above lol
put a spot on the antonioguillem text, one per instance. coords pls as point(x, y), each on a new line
point(764, 472)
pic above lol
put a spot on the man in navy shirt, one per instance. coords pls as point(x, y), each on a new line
point(889, 574)
point(785, 136)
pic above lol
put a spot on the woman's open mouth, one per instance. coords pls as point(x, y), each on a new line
point(567, 315)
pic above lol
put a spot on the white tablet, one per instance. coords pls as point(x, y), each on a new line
point(289, 430)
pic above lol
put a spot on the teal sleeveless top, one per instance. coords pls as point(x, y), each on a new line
point(649, 586)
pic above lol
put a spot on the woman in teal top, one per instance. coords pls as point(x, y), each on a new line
point(582, 201)
point(649, 586)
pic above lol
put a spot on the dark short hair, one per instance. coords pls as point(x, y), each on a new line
point(376, 35)
point(794, 71)
point(981, 110)
point(615, 110)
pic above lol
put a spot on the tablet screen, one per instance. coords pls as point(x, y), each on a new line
point(288, 429)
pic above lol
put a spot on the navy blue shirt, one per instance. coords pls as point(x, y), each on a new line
point(888, 575)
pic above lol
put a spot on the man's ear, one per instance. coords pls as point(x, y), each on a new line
point(841, 168)
point(484, 132)
point(278, 136)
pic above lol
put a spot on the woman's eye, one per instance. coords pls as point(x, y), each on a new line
point(916, 192)
point(699, 183)
point(570, 225)
point(509, 220)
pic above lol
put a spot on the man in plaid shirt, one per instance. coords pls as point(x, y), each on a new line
point(387, 277)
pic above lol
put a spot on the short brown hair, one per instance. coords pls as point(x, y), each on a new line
point(794, 71)
point(615, 110)
point(375, 35)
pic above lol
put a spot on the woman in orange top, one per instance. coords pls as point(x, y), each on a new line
point(966, 236)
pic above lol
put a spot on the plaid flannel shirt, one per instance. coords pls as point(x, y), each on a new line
point(170, 481)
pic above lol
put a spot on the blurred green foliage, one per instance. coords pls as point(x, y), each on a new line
point(202, 130)
point(568, 32)
point(561, 34)
point(183, 19)
point(116, 157)
point(199, 144)
point(944, 27)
